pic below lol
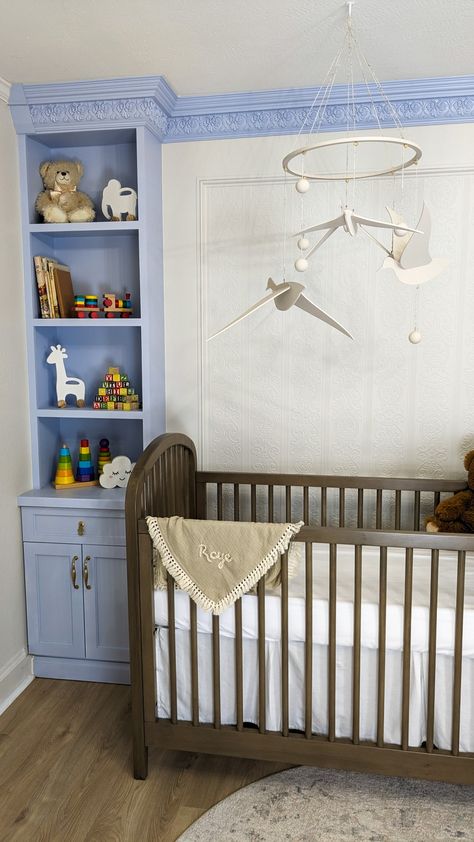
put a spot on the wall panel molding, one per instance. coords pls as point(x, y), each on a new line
point(283, 392)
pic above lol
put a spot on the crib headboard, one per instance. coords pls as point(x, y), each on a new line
point(163, 483)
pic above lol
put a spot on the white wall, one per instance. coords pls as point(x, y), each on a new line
point(282, 391)
point(15, 667)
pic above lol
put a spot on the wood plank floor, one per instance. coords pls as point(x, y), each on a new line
point(65, 771)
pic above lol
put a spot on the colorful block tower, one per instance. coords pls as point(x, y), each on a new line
point(64, 475)
point(104, 455)
point(116, 392)
point(85, 469)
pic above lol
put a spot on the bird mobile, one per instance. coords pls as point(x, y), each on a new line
point(350, 222)
point(410, 258)
point(286, 295)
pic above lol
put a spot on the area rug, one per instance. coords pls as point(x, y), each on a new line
point(323, 805)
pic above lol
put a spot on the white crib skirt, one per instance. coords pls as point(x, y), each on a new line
point(344, 655)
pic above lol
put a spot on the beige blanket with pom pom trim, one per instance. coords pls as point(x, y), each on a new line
point(217, 562)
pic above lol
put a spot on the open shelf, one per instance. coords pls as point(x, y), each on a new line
point(55, 229)
point(80, 323)
point(85, 412)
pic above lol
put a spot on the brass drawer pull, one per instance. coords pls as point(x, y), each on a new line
point(86, 573)
point(81, 527)
point(74, 572)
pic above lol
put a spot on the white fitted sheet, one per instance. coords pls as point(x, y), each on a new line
point(345, 607)
point(344, 650)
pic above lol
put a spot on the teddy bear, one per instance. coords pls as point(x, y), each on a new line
point(61, 201)
point(456, 514)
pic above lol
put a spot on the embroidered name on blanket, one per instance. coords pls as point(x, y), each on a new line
point(217, 562)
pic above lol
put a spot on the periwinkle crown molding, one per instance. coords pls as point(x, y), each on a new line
point(150, 101)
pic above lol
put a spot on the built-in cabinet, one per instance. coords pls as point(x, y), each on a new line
point(75, 575)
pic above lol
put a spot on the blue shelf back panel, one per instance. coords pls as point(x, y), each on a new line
point(125, 437)
point(99, 262)
point(101, 162)
point(90, 353)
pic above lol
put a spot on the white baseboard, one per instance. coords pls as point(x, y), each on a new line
point(14, 678)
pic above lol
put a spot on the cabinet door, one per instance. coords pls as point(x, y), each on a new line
point(53, 577)
point(105, 603)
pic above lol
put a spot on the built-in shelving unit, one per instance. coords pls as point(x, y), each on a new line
point(74, 540)
point(103, 257)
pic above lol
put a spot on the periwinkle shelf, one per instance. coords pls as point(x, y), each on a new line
point(104, 256)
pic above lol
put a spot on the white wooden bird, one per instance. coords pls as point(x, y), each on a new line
point(410, 258)
point(349, 221)
point(285, 295)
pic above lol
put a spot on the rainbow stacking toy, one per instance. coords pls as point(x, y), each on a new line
point(85, 470)
point(104, 455)
point(64, 475)
point(64, 478)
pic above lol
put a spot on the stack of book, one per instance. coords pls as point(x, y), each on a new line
point(55, 292)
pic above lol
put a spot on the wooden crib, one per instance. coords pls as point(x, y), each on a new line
point(338, 512)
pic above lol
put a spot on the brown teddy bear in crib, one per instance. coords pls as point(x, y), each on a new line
point(456, 514)
point(61, 201)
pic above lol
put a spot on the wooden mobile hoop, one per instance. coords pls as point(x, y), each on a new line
point(349, 175)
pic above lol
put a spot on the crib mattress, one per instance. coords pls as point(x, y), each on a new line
point(345, 606)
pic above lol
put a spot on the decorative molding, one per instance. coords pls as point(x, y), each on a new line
point(14, 678)
point(4, 90)
point(152, 102)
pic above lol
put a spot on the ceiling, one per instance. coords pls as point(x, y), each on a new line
point(218, 46)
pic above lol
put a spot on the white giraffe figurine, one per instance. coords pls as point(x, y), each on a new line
point(65, 385)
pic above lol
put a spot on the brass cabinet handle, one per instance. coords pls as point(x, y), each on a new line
point(81, 527)
point(86, 573)
point(74, 572)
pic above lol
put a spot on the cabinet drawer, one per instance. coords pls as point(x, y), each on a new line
point(73, 526)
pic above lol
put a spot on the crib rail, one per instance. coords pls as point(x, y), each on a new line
point(380, 502)
point(339, 513)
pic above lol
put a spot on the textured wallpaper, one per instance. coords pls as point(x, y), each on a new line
point(283, 391)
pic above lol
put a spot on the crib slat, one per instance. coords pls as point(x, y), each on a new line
point(436, 498)
point(324, 506)
point(378, 509)
point(407, 646)
point(332, 642)
point(236, 501)
point(194, 661)
point(432, 650)
point(172, 648)
point(270, 504)
point(458, 636)
point(398, 509)
point(219, 501)
point(416, 512)
point(342, 507)
point(360, 508)
point(216, 671)
point(253, 503)
point(356, 646)
point(288, 502)
point(239, 682)
point(261, 656)
point(284, 644)
point(382, 644)
point(308, 668)
point(306, 505)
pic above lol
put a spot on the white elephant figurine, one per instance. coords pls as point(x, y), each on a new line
point(118, 201)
